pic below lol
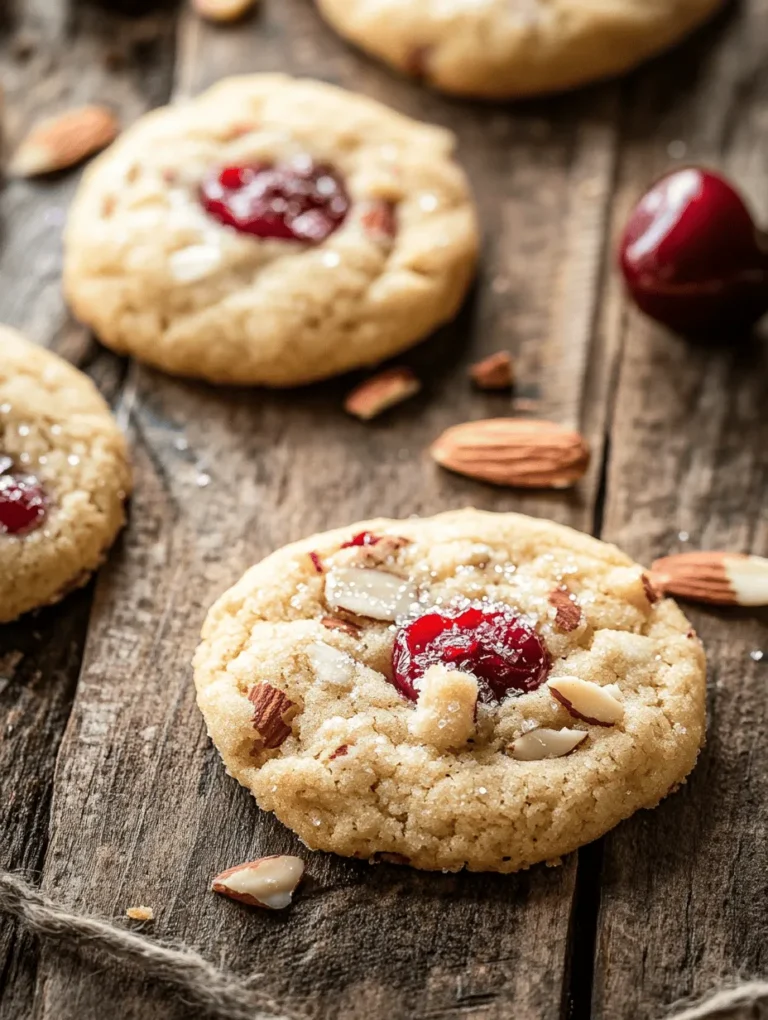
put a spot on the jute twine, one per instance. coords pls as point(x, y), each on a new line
point(219, 994)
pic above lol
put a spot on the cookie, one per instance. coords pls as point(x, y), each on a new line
point(272, 231)
point(499, 48)
point(473, 690)
point(64, 476)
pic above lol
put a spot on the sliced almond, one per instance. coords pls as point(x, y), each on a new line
point(586, 700)
point(268, 882)
point(140, 913)
point(336, 623)
point(541, 743)
point(496, 372)
point(719, 578)
point(62, 141)
point(514, 451)
point(567, 611)
point(381, 392)
point(223, 10)
point(329, 664)
point(272, 713)
point(376, 594)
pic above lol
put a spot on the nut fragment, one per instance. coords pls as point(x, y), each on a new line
point(377, 554)
point(373, 593)
point(541, 743)
point(222, 10)
point(719, 578)
point(514, 451)
point(496, 372)
point(586, 700)
point(652, 592)
point(140, 913)
point(444, 716)
point(272, 714)
point(567, 612)
point(379, 220)
point(267, 882)
point(62, 141)
point(381, 392)
point(336, 623)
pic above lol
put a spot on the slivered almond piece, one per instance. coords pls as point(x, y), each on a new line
point(567, 612)
point(496, 372)
point(330, 665)
point(376, 594)
point(720, 578)
point(541, 743)
point(62, 141)
point(514, 451)
point(222, 10)
point(272, 713)
point(586, 700)
point(381, 392)
point(268, 882)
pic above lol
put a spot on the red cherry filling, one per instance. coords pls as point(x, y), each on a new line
point(298, 201)
point(22, 504)
point(692, 256)
point(489, 641)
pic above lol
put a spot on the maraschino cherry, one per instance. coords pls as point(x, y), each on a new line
point(297, 201)
point(692, 256)
point(487, 640)
point(22, 501)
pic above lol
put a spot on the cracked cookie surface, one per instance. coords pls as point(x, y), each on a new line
point(297, 688)
point(64, 476)
point(155, 265)
point(498, 48)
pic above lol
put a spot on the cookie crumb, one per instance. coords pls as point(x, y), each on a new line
point(140, 913)
point(445, 713)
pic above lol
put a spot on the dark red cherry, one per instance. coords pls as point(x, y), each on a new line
point(22, 503)
point(362, 538)
point(692, 256)
point(297, 201)
point(489, 641)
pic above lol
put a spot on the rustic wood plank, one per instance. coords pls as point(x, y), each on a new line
point(142, 808)
point(51, 56)
point(684, 899)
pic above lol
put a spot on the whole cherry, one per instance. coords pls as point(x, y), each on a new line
point(692, 256)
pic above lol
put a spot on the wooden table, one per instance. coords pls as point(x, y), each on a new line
point(112, 795)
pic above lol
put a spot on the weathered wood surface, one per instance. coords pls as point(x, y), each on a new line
point(142, 811)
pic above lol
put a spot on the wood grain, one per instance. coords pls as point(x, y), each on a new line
point(684, 897)
point(143, 811)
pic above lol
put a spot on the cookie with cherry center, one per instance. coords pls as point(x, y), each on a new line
point(472, 690)
point(64, 477)
point(273, 232)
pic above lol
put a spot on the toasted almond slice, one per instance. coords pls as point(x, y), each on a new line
point(541, 743)
point(586, 700)
point(719, 578)
point(272, 713)
point(329, 664)
point(62, 141)
point(381, 392)
point(223, 10)
point(567, 611)
point(514, 451)
point(140, 913)
point(496, 372)
point(373, 593)
point(267, 882)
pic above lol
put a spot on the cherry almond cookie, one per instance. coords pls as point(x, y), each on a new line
point(64, 476)
point(472, 690)
point(272, 231)
point(498, 48)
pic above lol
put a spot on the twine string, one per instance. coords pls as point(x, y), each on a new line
point(200, 983)
point(219, 994)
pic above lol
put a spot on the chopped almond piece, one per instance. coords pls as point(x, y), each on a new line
point(496, 372)
point(381, 392)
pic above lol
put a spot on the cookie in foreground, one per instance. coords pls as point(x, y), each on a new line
point(272, 231)
point(472, 690)
point(503, 48)
point(64, 477)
